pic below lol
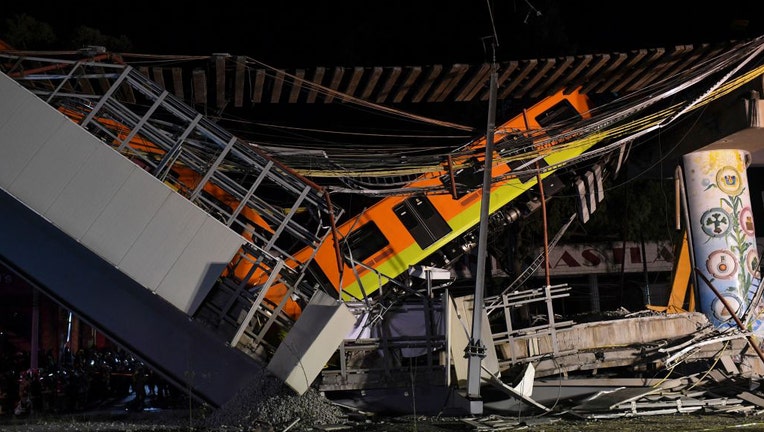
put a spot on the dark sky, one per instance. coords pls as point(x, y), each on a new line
point(393, 32)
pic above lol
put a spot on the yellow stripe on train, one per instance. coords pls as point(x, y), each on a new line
point(501, 195)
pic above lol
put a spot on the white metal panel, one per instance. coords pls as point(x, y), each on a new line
point(311, 342)
point(17, 146)
point(115, 230)
point(114, 208)
point(55, 164)
point(461, 325)
point(201, 263)
point(93, 187)
point(169, 232)
point(25, 130)
point(15, 98)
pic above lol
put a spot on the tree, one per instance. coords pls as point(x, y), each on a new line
point(25, 32)
point(84, 36)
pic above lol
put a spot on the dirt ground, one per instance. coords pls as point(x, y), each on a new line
point(123, 416)
point(180, 420)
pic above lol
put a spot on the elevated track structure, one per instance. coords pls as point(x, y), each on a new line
point(192, 247)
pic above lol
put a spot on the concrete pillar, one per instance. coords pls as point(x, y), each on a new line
point(594, 293)
point(722, 233)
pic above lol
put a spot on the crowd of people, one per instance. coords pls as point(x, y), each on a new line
point(79, 381)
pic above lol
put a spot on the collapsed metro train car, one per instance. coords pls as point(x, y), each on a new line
point(398, 232)
point(372, 249)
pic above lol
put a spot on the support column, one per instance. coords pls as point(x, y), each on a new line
point(594, 293)
point(723, 237)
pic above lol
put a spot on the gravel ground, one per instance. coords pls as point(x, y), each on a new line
point(179, 421)
point(272, 406)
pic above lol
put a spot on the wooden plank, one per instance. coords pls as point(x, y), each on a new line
point(199, 78)
point(69, 88)
point(453, 78)
point(85, 85)
point(581, 64)
point(46, 85)
point(749, 397)
point(717, 376)
point(435, 95)
point(640, 68)
point(157, 76)
point(661, 67)
point(601, 61)
point(609, 382)
point(729, 365)
point(257, 89)
point(335, 83)
point(478, 81)
point(318, 77)
point(530, 65)
point(593, 84)
point(294, 94)
point(371, 83)
point(504, 76)
point(392, 78)
point(458, 71)
point(220, 97)
point(238, 90)
point(629, 66)
point(355, 79)
point(127, 92)
point(413, 74)
point(177, 82)
point(552, 79)
point(705, 52)
point(644, 67)
point(103, 82)
point(278, 85)
point(425, 87)
point(546, 65)
point(442, 83)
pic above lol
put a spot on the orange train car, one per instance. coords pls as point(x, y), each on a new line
point(401, 231)
point(186, 180)
point(398, 232)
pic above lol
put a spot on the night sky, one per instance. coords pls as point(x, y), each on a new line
point(394, 32)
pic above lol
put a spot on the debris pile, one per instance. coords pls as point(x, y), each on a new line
point(268, 403)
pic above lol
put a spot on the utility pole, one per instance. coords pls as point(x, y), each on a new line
point(475, 351)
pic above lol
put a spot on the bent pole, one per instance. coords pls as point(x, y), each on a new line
point(751, 340)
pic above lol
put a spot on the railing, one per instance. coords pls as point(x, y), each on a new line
point(519, 329)
point(169, 139)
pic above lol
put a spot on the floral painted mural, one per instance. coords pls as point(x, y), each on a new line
point(723, 236)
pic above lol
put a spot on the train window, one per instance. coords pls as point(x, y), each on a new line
point(560, 111)
point(364, 242)
point(467, 178)
point(515, 165)
point(422, 220)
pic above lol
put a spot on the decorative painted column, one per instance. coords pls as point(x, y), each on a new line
point(723, 237)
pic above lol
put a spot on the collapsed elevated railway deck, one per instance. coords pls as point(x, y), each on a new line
point(169, 220)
